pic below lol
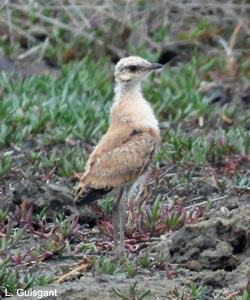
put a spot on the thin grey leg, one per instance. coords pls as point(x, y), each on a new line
point(116, 217)
point(122, 214)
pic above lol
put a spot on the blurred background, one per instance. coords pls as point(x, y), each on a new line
point(60, 31)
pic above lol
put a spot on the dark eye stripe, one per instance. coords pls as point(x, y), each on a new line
point(132, 68)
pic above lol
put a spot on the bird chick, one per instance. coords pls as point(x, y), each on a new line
point(124, 154)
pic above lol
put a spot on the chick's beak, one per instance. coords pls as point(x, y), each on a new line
point(156, 65)
point(153, 66)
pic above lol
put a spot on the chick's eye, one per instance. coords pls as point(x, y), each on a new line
point(132, 68)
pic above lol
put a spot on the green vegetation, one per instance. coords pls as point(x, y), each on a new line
point(132, 293)
point(107, 266)
point(60, 114)
point(189, 292)
point(11, 280)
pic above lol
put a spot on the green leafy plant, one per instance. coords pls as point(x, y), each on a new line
point(107, 266)
point(243, 182)
point(132, 293)
point(5, 163)
point(67, 227)
point(3, 217)
point(12, 280)
point(246, 295)
point(145, 261)
point(10, 238)
point(189, 292)
point(131, 269)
